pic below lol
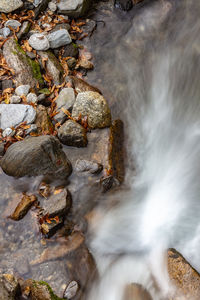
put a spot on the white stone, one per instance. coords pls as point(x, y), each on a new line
point(7, 6)
point(12, 23)
point(59, 38)
point(32, 98)
point(15, 99)
point(39, 41)
point(22, 90)
point(52, 6)
point(6, 31)
point(8, 132)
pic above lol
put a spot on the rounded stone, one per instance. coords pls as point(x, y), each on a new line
point(15, 99)
point(32, 98)
point(59, 38)
point(72, 134)
point(6, 31)
point(39, 41)
point(52, 6)
point(22, 90)
point(13, 23)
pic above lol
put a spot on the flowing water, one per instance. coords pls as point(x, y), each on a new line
point(147, 65)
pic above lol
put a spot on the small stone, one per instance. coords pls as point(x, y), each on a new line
point(6, 31)
point(15, 99)
point(32, 128)
point(72, 134)
point(9, 6)
point(71, 290)
point(52, 6)
point(65, 100)
point(71, 50)
point(92, 167)
point(41, 97)
point(8, 132)
point(22, 90)
point(32, 98)
point(93, 106)
point(71, 62)
point(13, 23)
point(39, 41)
point(23, 207)
point(59, 38)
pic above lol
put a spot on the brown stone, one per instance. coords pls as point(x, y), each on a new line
point(185, 278)
point(82, 86)
point(23, 207)
point(43, 121)
point(37, 290)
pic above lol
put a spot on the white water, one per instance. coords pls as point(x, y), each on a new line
point(161, 207)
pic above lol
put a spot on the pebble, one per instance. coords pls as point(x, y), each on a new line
point(8, 132)
point(39, 41)
point(52, 6)
point(59, 38)
point(13, 23)
point(70, 290)
point(6, 31)
point(22, 90)
point(32, 128)
point(32, 98)
point(15, 99)
point(92, 167)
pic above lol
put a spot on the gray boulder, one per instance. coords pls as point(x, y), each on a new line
point(9, 6)
point(72, 134)
point(11, 115)
point(93, 106)
point(74, 8)
point(59, 38)
point(41, 155)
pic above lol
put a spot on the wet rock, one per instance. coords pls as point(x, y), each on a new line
point(11, 115)
point(59, 38)
point(9, 6)
point(43, 121)
point(71, 290)
point(124, 4)
point(22, 90)
point(89, 27)
point(50, 227)
point(8, 132)
point(72, 134)
point(53, 67)
point(39, 41)
point(85, 63)
point(71, 50)
point(65, 100)
point(23, 207)
point(12, 23)
point(74, 8)
point(31, 98)
point(9, 287)
point(15, 99)
point(183, 276)
point(83, 165)
point(58, 204)
point(82, 86)
point(27, 71)
point(71, 62)
point(93, 106)
point(35, 156)
point(107, 183)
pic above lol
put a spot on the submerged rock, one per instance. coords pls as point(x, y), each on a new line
point(93, 106)
point(35, 156)
point(9, 287)
point(9, 6)
point(11, 115)
point(72, 134)
point(83, 165)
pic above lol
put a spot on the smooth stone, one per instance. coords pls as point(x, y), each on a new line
point(6, 31)
point(34, 156)
point(9, 6)
point(39, 41)
point(23, 207)
point(72, 134)
point(43, 121)
point(31, 98)
point(71, 50)
point(74, 8)
point(59, 38)
point(22, 90)
point(65, 100)
point(15, 99)
point(13, 23)
point(83, 165)
point(11, 115)
point(71, 290)
point(93, 106)
point(52, 6)
point(8, 132)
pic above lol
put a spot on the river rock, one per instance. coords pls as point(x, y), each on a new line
point(27, 71)
point(72, 134)
point(39, 41)
point(31, 98)
point(9, 6)
point(41, 155)
point(183, 276)
point(74, 8)
point(8, 132)
point(12, 23)
point(93, 106)
point(53, 67)
point(65, 100)
point(59, 38)
point(11, 115)
point(71, 62)
point(58, 203)
point(83, 165)
point(43, 121)
point(71, 290)
point(22, 90)
point(15, 99)
point(9, 287)
point(31, 129)
point(23, 207)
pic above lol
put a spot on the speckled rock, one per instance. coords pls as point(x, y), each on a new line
point(72, 134)
point(93, 106)
point(9, 6)
point(31, 98)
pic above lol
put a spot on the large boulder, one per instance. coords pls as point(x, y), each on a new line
point(93, 106)
point(11, 115)
point(9, 6)
point(35, 156)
